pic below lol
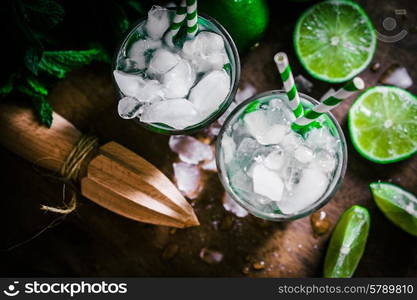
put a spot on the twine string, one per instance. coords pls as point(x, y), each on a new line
point(70, 171)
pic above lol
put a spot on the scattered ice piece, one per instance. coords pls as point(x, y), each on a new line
point(210, 92)
point(210, 166)
point(139, 51)
point(129, 107)
point(158, 22)
point(228, 147)
point(211, 256)
point(230, 205)
point(178, 81)
point(144, 90)
point(313, 184)
point(188, 179)
point(177, 113)
point(398, 77)
point(274, 160)
point(321, 138)
point(162, 61)
point(206, 52)
point(303, 84)
point(274, 135)
point(303, 154)
point(245, 93)
point(329, 93)
point(189, 149)
point(267, 183)
point(325, 160)
point(224, 116)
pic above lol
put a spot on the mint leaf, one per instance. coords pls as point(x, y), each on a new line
point(37, 93)
point(43, 14)
point(58, 63)
point(32, 59)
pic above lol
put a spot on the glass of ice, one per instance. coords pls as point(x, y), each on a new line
point(273, 172)
point(175, 90)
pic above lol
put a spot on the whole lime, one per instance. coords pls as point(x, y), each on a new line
point(245, 20)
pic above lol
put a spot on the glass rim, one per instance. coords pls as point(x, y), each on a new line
point(331, 190)
point(224, 105)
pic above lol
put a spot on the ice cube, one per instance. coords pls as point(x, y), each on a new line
point(303, 84)
point(292, 174)
point(256, 123)
point(273, 135)
point(158, 22)
point(188, 179)
point(129, 107)
point(178, 81)
point(267, 183)
point(240, 182)
point(210, 166)
point(162, 61)
point(303, 154)
point(210, 92)
point(177, 113)
point(321, 138)
point(128, 65)
point(228, 147)
point(325, 160)
point(291, 141)
point(206, 52)
point(139, 51)
point(144, 90)
point(189, 149)
point(245, 93)
point(231, 206)
point(274, 160)
point(312, 185)
point(398, 77)
point(245, 152)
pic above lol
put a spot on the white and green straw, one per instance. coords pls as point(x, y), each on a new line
point(192, 18)
point(329, 103)
point(179, 18)
point(281, 59)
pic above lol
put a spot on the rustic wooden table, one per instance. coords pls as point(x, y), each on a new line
point(95, 242)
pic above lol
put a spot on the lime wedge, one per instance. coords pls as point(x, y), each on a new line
point(398, 205)
point(383, 124)
point(347, 243)
point(334, 40)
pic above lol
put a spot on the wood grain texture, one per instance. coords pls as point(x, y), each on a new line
point(21, 133)
point(95, 242)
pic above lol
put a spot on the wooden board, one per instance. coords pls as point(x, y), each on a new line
point(96, 242)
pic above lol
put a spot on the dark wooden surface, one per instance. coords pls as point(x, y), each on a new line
point(95, 242)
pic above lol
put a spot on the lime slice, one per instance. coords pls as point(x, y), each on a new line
point(383, 124)
point(347, 243)
point(398, 205)
point(334, 40)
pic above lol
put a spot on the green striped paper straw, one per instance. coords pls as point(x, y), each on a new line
point(192, 18)
point(281, 59)
point(329, 103)
point(176, 24)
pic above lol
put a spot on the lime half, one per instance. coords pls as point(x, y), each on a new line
point(398, 205)
point(347, 243)
point(334, 40)
point(383, 124)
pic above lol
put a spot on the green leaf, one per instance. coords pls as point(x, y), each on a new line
point(43, 110)
point(43, 14)
point(8, 86)
point(32, 59)
point(37, 93)
point(58, 63)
